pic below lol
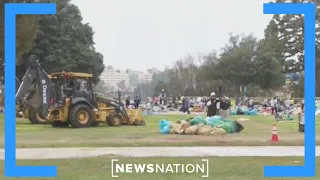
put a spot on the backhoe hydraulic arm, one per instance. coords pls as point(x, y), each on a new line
point(35, 88)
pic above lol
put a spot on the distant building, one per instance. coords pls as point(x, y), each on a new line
point(112, 77)
point(146, 77)
point(134, 78)
point(153, 70)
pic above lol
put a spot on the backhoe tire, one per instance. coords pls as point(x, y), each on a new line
point(114, 119)
point(59, 124)
point(34, 118)
point(81, 116)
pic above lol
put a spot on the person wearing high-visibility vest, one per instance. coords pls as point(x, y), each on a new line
point(233, 103)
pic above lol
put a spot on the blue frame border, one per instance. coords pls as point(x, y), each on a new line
point(309, 11)
point(12, 170)
point(10, 167)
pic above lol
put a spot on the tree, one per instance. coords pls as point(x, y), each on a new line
point(208, 73)
point(26, 28)
point(244, 61)
point(158, 88)
point(64, 43)
point(236, 62)
point(268, 68)
point(183, 76)
point(147, 89)
point(289, 30)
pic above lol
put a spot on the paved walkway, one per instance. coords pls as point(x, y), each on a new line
point(60, 153)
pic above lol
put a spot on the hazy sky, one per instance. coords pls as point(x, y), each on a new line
point(141, 34)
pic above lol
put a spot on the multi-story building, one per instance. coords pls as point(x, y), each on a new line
point(113, 77)
point(134, 78)
point(131, 79)
point(146, 77)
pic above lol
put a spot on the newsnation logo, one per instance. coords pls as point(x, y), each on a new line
point(201, 168)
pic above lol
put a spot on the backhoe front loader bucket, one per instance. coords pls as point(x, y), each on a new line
point(136, 117)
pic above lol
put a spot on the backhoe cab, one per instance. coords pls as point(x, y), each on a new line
point(68, 98)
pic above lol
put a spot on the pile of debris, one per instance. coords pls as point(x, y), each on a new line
point(200, 126)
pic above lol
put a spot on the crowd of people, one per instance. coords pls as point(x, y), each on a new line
point(136, 102)
point(222, 105)
point(213, 104)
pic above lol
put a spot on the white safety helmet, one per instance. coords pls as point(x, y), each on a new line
point(213, 94)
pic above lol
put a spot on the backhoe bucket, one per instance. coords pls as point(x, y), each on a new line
point(33, 98)
point(136, 117)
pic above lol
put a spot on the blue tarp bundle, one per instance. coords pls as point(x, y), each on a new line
point(229, 126)
point(198, 120)
point(164, 126)
point(252, 112)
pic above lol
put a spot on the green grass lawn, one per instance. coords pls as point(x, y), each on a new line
point(257, 132)
point(220, 168)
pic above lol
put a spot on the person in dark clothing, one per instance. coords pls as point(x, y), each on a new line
point(250, 104)
point(225, 105)
point(136, 102)
point(212, 105)
point(203, 100)
point(301, 118)
point(163, 97)
point(185, 103)
point(128, 102)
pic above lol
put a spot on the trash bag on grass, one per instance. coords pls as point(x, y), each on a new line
point(214, 118)
point(229, 126)
point(233, 126)
point(198, 120)
point(164, 126)
point(289, 118)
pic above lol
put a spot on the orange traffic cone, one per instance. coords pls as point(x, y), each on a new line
point(274, 137)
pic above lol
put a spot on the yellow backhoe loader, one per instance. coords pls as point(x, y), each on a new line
point(67, 99)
